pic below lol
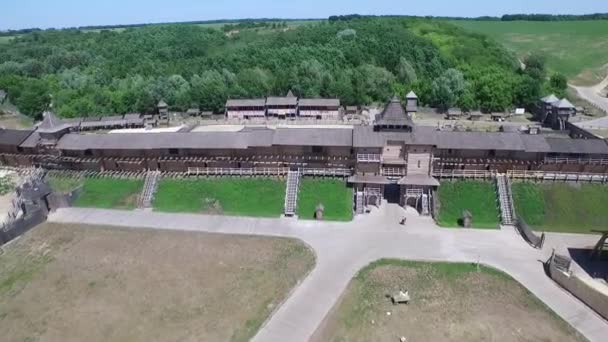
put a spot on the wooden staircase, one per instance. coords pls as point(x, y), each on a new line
point(359, 203)
point(505, 199)
point(150, 186)
point(291, 192)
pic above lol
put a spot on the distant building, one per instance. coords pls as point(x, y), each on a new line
point(394, 118)
point(282, 107)
point(327, 109)
point(554, 112)
point(193, 112)
point(411, 102)
point(163, 110)
point(351, 110)
point(245, 108)
point(454, 114)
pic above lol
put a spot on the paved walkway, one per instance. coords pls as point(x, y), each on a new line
point(344, 248)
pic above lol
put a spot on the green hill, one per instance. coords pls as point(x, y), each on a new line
point(578, 49)
point(360, 61)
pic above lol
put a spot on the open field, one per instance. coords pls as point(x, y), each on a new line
point(578, 49)
point(450, 302)
point(76, 283)
point(478, 197)
point(258, 197)
point(562, 207)
point(290, 23)
point(108, 193)
point(6, 39)
point(335, 196)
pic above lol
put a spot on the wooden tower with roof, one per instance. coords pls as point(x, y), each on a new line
point(163, 110)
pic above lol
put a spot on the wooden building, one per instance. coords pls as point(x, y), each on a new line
point(321, 109)
point(392, 159)
point(163, 110)
point(411, 103)
point(245, 108)
point(282, 107)
point(554, 112)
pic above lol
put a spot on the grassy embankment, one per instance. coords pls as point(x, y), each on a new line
point(562, 207)
point(105, 193)
point(578, 49)
point(477, 197)
point(258, 197)
point(335, 196)
point(449, 302)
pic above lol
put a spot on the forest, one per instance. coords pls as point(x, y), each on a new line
point(360, 61)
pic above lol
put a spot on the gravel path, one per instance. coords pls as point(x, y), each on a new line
point(344, 248)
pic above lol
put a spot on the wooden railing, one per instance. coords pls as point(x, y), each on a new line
point(275, 171)
point(216, 171)
point(326, 172)
point(369, 158)
point(555, 160)
point(393, 172)
point(479, 174)
point(558, 176)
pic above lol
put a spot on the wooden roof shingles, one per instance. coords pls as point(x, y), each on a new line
point(394, 115)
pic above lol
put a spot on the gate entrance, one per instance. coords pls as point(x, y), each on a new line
point(392, 193)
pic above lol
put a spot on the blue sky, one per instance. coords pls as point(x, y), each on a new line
point(16, 14)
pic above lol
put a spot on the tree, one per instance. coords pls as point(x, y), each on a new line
point(311, 79)
point(341, 87)
point(405, 72)
point(447, 89)
point(467, 101)
point(373, 83)
point(255, 82)
point(494, 90)
point(536, 66)
point(209, 90)
point(34, 98)
point(528, 91)
point(558, 84)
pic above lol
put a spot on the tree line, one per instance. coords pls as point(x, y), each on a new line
point(359, 61)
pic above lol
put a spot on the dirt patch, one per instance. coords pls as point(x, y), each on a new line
point(74, 283)
point(449, 303)
point(211, 206)
point(129, 201)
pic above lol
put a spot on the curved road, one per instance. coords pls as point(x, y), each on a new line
point(344, 248)
point(591, 94)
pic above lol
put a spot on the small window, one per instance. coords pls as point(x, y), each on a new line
point(88, 153)
point(173, 151)
point(419, 164)
point(317, 149)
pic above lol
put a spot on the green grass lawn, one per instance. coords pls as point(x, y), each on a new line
point(64, 184)
point(335, 196)
point(477, 197)
point(108, 193)
point(562, 207)
point(578, 49)
point(258, 197)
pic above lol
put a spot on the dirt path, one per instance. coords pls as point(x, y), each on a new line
point(592, 94)
point(342, 249)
